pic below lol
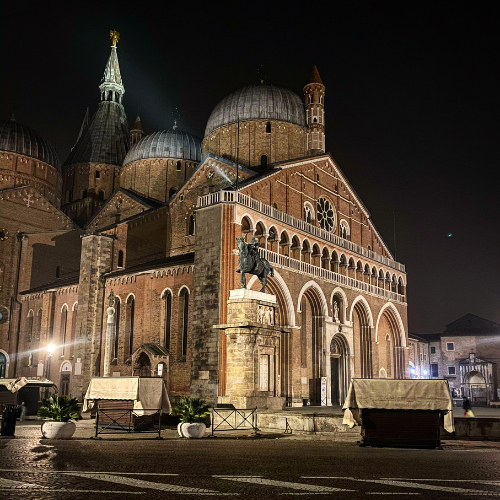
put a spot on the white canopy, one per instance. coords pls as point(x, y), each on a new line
point(146, 393)
point(390, 394)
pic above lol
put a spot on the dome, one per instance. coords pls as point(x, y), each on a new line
point(258, 102)
point(166, 144)
point(23, 140)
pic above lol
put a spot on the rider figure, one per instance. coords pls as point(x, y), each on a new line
point(253, 249)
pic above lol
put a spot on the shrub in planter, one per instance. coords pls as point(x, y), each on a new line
point(60, 413)
point(192, 413)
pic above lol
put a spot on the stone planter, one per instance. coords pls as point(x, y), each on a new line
point(58, 430)
point(194, 430)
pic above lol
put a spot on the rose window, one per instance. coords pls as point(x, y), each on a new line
point(326, 214)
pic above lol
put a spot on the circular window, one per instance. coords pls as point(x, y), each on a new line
point(326, 214)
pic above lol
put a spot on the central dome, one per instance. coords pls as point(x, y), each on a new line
point(166, 144)
point(258, 102)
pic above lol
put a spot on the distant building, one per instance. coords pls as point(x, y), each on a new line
point(467, 353)
point(418, 356)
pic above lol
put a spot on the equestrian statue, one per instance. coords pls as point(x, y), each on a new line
point(251, 262)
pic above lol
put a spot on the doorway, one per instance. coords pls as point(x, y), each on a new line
point(340, 373)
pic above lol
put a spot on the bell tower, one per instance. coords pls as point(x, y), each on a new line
point(314, 97)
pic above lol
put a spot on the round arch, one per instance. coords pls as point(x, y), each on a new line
point(339, 292)
point(366, 306)
point(312, 284)
point(389, 306)
point(250, 218)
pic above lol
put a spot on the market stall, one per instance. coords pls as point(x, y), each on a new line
point(399, 412)
point(127, 404)
point(16, 391)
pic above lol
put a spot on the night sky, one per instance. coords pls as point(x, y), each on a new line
point(411, 95)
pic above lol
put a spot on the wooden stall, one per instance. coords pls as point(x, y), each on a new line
point(127, 404)
point(399, 412)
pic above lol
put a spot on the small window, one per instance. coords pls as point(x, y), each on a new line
point(120, 258)
point(451, 370)
point(84, 194)
point(191, 225)
point(58, 271)
point(97, 174)
point(178, 165)
point(434, 370)
point(172, 192)
point(263, 161)
point(268, 127)
point(101, 195)
point(433, 350)
point(450, 346)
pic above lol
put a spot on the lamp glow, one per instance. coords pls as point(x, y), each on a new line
point(50, 349)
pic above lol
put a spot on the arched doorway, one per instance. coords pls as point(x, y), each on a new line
point(65, 379)
point(391, 353)
point(362, 341)
point(143, 366)
point(475, 388)
point(312, 358)
point(339, 365)
point(3, 365)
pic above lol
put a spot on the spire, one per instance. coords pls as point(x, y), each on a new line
point(314, 77)
point(111, 85)
point(85, 124)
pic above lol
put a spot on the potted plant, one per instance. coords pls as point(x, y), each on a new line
point(192, 412)
point(60, 413)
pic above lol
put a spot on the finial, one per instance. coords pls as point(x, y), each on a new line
point(111, 298)
point(115, 36)
point(175, 125)
point(262, 74)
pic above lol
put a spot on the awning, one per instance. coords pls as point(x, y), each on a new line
point(14, 384)
point(146, 393)
point(409, 394)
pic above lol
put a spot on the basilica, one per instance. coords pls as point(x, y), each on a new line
point(122, 260)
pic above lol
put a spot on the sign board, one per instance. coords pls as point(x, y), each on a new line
point(323, 391)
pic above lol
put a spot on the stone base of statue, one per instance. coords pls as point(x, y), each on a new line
point(252, 351)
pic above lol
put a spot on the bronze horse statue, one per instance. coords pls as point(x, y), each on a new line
point(251, 262)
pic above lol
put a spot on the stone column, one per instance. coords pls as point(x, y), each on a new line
point(110, 329)
point(253, 351)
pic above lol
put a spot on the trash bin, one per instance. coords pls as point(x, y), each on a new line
point(9, 416)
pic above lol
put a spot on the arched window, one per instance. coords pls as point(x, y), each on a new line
point(101, 195)
point(263, 161)
point(120, 258)
point(344, 229)
point(191, 225)
point(178, 165)
point(58, 271)
point(130, 324)
point(3, 365)
point(172, 192)
point(307, 214)
point(117, 326)
point(29, 326)
point(97, 174)
point(268, 127)
point(64, 323)
point(183, 319)
point(38, 325)
point(168, 318)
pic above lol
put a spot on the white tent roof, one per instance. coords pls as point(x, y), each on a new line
point(147, 393)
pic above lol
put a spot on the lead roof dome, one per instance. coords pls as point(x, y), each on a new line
point(166, 144)
point(24, 140)
point(258, 102)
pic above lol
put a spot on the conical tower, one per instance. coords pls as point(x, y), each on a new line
point(91, 169)
point(314, 96)
point(136, 133)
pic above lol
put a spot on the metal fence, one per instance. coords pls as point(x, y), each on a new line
point(118, 420)
point(234, 419)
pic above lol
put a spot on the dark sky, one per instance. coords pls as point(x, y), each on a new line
point(411, 98)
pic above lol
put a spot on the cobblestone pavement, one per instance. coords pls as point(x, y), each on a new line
point(260, 468)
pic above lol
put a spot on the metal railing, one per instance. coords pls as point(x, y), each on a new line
point(258, 206)
point(286, 262)
point(244, 419)
point(118, 420)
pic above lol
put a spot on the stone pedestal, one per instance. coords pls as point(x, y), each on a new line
point(252, 351)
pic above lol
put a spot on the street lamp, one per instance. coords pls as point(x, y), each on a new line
point(425, 372)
